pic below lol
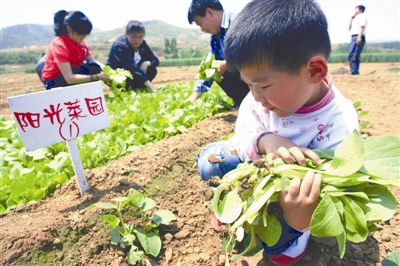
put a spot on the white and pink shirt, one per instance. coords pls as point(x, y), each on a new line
point(323, 125)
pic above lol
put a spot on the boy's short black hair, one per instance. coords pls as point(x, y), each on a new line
point(134, 26)
point(282, 35)
point(198, 7)
point(361, 7)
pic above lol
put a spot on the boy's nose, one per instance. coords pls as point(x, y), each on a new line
point(257, 94)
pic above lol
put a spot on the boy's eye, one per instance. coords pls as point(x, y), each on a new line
point(265, 87)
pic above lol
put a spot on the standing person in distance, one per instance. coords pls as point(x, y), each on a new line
point(281, 49)
point(212, 18)
point(131, 52)
point(68, 60)
point(357, 28)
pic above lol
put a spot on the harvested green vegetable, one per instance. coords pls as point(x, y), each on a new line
point(117, 78)
point(353, 196)
point(209, 69)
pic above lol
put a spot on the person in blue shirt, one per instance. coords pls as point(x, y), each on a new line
point(211, 17)
point(131, 52)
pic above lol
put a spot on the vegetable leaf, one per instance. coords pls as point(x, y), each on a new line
point(326, 221)
point(349, 156)
point(392, 260)
point(382, 157)
point(230, 207)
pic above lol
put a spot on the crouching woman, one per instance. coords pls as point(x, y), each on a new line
point(68, 60)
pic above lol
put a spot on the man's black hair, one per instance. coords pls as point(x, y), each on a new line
point(198, 7)
point(361, 7)
point(134, 26)
point(282, 35)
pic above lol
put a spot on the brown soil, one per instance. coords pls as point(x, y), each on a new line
point(60, 230)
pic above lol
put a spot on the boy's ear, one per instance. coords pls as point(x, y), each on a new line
point(318, 68)
point(209, 11)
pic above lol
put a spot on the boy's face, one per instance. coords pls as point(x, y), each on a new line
point(280, 92)
point(210, 23)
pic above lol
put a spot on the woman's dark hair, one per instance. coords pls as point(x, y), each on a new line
point(75, 19)
point(134, 26)
point(198, 8)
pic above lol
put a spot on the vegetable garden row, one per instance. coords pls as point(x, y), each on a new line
point(354, 194)
point(136, 118)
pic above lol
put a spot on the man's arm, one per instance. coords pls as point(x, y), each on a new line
point(149, 55)
point(351, 21)
point(360, 34)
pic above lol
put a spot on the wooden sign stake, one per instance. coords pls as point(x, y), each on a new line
point(78, 167)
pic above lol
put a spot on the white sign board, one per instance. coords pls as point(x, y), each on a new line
point(61, 114)
point(48, 117)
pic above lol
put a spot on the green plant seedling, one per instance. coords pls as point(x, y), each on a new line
point(138, 240)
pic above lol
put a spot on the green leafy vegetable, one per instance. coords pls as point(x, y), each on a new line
point(118, 79)
point(353, 194)
point(126, 235)
point(209, 69)
point(392, 260)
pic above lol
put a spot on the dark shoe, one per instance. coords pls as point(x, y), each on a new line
point(352, 74)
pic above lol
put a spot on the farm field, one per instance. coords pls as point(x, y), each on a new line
point(60, 230)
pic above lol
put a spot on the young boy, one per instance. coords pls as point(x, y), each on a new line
point(210, 16)
point(281, 48)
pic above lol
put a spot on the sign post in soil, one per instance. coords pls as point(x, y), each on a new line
point(61, 114)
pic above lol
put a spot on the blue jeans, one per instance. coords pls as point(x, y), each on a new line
point(354, 54)
point(90, 68)
point(216, 159)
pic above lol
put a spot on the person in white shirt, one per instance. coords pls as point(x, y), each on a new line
point(212, 18)
point(281, 50)
point(357, 28)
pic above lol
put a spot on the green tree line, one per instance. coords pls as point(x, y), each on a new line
point(373, 52)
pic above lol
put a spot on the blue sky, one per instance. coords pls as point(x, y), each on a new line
point(383, 15)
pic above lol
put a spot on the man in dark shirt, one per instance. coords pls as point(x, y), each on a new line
point(132, 53)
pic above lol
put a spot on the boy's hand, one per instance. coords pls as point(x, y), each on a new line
point(300, 200)
point(275, 146)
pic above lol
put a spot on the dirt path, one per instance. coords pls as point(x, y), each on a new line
point(60, 230)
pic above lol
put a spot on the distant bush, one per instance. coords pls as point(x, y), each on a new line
point(366, 57)
point(379, 47)
point(23, 57)
point(30, 70)
point(374, 52)
point(181, 62)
